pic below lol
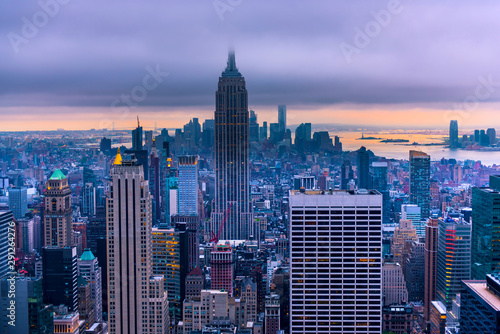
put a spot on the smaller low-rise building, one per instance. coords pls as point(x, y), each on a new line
point(397, 318)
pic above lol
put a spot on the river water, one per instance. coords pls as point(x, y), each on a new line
point(401, 150)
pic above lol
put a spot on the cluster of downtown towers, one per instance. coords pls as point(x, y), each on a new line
point(336, 269)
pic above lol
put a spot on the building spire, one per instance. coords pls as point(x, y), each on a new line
point(231, 69)
point(118, 159)
point(138, 124)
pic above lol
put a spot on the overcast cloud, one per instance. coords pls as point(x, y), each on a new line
point(91, 52)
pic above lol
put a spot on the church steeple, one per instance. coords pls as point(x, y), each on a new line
point(231, 69)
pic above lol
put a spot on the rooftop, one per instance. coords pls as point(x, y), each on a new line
point(57, 175)
point(481, 289)
point(335, 192)
point(87, 255)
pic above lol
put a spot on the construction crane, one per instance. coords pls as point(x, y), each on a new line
point(215, 238)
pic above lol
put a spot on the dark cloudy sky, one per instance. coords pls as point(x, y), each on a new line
point(422, 61)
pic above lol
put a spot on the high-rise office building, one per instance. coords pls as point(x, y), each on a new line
point(89, 200)
point(302, 137)
point(412, 212)
point(137, 137)
point(420, 172)
point(430, 258)
point(402, 234)
point(394, 289)
point(282, 117)
point(492, 135)
point(18, 201)
point(6, 226)
point(346, 175)
point(188, 186)
point(253, 128)
point(208, 135)
point(263, 131)
point(232, 174)
point(155, 181)
point(363, 168)
point(480, 306)
point(137, 300)
point(453, 139)
point(148, 140)
point(27, 237)
point(105, 144)
point(336, 262)
point(485, 230)
point(88, 268)
point(169, 260)
point(222, 267)
point(58, 212)
point(415, 272)
point(60, 273)
point(31, 315)
point(453, 258)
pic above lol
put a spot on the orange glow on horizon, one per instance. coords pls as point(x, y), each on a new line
point(85, 118)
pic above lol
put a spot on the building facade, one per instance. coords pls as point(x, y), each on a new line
point(18, 201)
point(420, 172)
point(60, 277)
point(58, 212)
point(430, 258)
point(222, 268)
point(485, 231)
point(453, 258)
point(480, 306)
point(133, 293)
point(232, 173)
point(188, 186)
point(336, 262)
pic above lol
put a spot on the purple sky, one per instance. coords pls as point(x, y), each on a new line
point(428, 55)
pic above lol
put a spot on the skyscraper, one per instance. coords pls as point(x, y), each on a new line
point(335, 262)
point(485, 230)
point(420, 173)
point(89, 200)
point(453, 258)
point(363, 166)
point(232, 174)
point(137, 137)
point(60, 272)
point(58, 212)
point(413, 213)
point(18, 201)
point(132, 289)
point(154, 182)
point(480, 306)
point(430, 258)
point(188, 185)
point(253, 127)
point(379, 182)
point(6, 226)
point(31, 315)
point(492, 135)
point(88, 268)
point(453, 141)
point(282, 117)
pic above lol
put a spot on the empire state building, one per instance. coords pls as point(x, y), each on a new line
point(232, 173)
